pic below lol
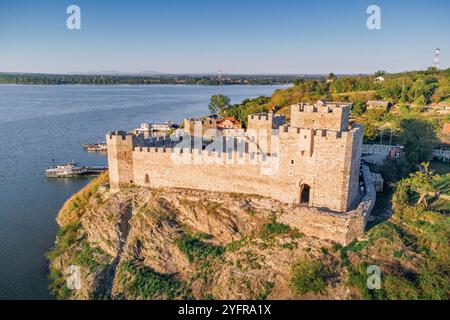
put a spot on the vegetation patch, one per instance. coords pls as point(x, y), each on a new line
point(77, 205)
point(141, 282)
point(93, 258)
point(309, 276)
point(196, 250)
point(273, 229)
point(411, 249)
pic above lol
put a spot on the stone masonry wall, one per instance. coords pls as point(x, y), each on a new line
point(320, 117)
point(317, 158)
point(341, 228)
point(324, 162)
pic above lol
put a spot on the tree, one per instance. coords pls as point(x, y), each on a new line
point(331, 77)
point(422, 183)
point(380, 73)
point(309, 276)
point(419, 138)
point(358, 108)
point(421, 101)
point(218, 104)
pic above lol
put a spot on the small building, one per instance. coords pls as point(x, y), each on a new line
point(379, 79)
point(378, 105)
point(378, 153)
point(229, 123)
point(396, 152)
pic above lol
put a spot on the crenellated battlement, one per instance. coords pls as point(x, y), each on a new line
point(288, 131)
point(322, 115)
point(324, 109)
point(194, 155)
point(312, 161)
point(261, 117)
point(119, 134)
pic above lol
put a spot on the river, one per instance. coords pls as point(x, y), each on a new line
point(45, 125)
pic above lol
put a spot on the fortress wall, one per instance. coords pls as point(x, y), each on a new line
point(322, 159)
point(260, 130)
point(320, 117)
point(329, 165)
point(200, 127)
point(322, 225)
point(353, 154)
point(120, 145)
point(163, 171)
point(337, 227)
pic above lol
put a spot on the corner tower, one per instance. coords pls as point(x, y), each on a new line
point(322, 115)
point(120, 159)
point(320, 156)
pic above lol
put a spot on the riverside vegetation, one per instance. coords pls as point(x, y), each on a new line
point(185, 244)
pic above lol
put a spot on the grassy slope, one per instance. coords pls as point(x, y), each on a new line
point(411, 249)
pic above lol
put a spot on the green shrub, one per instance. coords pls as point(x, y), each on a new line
point(274, 228)
point(57, 285)
point(309, 276)
point(145, 283)
point(196, 250)
point(88, 256)
point(434, 284)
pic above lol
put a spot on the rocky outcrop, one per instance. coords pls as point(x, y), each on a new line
point(145, 243)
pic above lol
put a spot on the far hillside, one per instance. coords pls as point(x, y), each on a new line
point(411, 89)
point(415, 94)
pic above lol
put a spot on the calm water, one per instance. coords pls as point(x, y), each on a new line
point(42, 123)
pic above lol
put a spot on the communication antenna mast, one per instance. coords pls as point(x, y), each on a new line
point(436, 61)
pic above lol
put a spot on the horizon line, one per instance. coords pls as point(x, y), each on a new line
point(147, 74)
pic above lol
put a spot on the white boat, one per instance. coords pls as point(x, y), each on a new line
point(68, 170)
point(96, 147)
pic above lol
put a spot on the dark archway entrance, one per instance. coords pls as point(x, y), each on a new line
point(147, 179)
point(305, 192)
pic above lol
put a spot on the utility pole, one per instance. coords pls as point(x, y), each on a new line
point(437, 59)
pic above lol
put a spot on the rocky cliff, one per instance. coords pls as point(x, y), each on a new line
point(174, 243)
point(145, 243)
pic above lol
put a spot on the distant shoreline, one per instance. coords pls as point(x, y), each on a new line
point(191, 80)
point(145, 85)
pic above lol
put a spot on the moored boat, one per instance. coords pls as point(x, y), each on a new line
point(95, 147)
point(69, 170)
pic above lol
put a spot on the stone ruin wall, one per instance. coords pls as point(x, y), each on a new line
point(325, 160)
point(341, 228)
point(318, 158)
point(328, 160)
point(320, 117)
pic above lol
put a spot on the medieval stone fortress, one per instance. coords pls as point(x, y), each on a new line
point(312, 163)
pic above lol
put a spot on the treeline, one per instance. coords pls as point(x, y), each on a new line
point(416, 87)
point(49, 79)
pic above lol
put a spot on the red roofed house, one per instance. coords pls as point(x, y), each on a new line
point(228, 123)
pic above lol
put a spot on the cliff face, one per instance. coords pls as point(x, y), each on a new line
point(165, 244)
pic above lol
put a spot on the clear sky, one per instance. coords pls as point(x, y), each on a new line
point(235, 36)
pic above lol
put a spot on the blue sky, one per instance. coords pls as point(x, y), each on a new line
point(235, 36)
